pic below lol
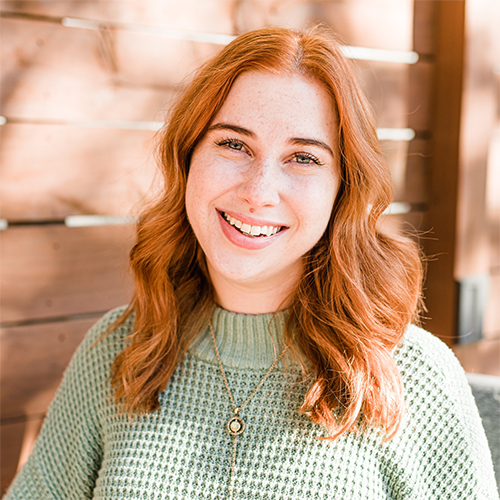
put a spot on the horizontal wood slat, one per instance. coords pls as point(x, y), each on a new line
point(72, 170)
point(51, 271)
point(50, 71)
point(208, 15)
point(410, 224)
point(34, 358)
point(420, 99)
point(372, 23)
point(53, 72)
point(51, 171)
point(396, 154)
point(417, 172)
point(386, 86)
point(380, 23)
point(409, 163)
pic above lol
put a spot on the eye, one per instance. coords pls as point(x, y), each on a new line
point(306, 159)
point(231, 144)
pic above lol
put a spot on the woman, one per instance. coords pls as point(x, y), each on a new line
point(266, 352)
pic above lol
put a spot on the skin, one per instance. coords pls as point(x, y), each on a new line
point(268, 159)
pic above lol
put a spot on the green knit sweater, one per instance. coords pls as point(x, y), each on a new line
point(87, 450)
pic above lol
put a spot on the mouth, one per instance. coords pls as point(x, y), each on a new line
point(252, 231)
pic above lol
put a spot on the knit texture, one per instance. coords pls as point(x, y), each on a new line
point(87, 450)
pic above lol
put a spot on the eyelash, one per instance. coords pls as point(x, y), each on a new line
point(310, 157)
point(226, 142)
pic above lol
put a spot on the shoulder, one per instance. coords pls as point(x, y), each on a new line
point(99, 333)
point(435, 386)
point(422, 351)
point(432, 375)
point(443, 426)
point(101, 345)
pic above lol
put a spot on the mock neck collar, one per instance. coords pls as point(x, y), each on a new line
point(251, 341)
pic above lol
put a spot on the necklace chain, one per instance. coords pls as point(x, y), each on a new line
point(236, 425)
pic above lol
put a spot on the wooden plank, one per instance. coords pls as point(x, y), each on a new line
point(58, 73)
point(401, 95)
point(420, 97)
point(464, 100)
point(51, 271)
point(395, 154)
point(409, 165)
point(49, 71)
point(51, 171)
point(409, 224)
point(208, 15)
point(17, 441)
point(386, 86)
point(34, 358)
point(373, 23)
point(424, 14)
point(417, 173)
point(73, 170)
point(440, 287)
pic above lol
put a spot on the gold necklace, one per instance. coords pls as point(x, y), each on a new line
point(236, 425)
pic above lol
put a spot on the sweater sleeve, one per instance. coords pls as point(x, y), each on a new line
point(443, 451)
point(66, 458)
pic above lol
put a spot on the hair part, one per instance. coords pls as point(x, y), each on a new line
point(360, 287)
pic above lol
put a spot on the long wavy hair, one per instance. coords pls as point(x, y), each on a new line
point(360, 287)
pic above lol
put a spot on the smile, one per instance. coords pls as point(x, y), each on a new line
point(248, 230)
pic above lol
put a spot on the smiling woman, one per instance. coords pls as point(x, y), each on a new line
point(270, 314)
point(261, 188)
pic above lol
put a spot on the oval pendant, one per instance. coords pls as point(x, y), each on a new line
point(235, 426)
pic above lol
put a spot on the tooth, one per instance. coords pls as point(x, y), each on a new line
point(255, 231)
point(275, 230)
point(238, 223)
point(232, 221)
point(246, 228)
point(263, 230)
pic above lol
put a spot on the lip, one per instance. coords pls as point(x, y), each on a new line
point(247, 242)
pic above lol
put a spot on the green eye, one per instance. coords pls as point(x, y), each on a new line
point(235, 145)
point(306, 159)
point(303, 159)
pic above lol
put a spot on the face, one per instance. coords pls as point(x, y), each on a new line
point(263, 180)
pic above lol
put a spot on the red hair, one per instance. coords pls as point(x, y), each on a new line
point(360, 287)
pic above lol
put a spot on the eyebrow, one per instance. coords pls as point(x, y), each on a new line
point(234, 128)
point(311, 142)
point(294, 140)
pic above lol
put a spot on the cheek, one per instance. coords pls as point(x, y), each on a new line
point(194, 194)
point(315, 202)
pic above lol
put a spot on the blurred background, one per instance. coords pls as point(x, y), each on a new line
point(86, 83)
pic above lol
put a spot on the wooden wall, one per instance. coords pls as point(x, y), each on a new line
point(85, 84)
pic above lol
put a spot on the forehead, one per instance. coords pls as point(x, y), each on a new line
point(294, 101)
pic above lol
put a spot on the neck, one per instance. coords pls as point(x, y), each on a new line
point(263, 297)
point(244, 340)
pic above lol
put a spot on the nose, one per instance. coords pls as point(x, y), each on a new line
point(261, 185)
